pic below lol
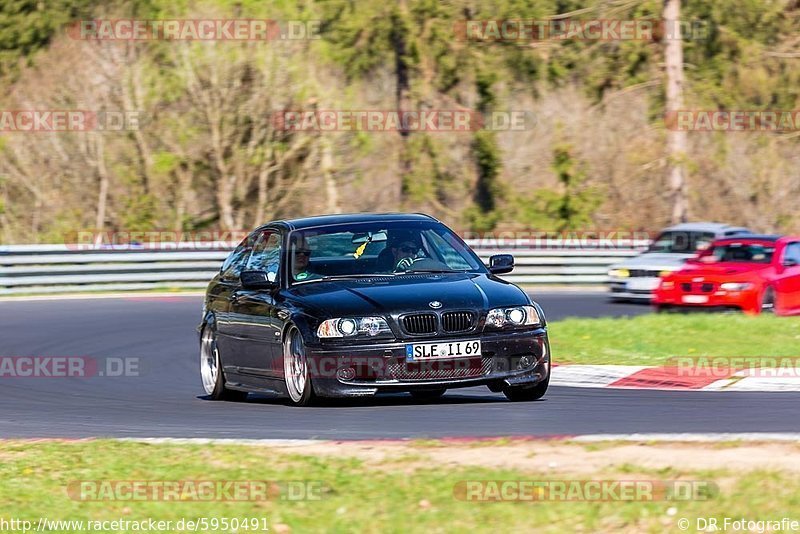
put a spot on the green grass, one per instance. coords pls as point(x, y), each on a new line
point(652, 339)
point(390, 497)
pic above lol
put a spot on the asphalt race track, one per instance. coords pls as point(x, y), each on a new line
point(167, 399)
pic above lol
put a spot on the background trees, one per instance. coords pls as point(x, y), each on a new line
point(208, 155)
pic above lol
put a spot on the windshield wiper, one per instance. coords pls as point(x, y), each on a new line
point(328, 278)
point(412, 271)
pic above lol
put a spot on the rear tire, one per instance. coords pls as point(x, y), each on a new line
point(427, 394)
point(211, 370)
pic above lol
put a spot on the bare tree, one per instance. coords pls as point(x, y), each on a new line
point(676, 139)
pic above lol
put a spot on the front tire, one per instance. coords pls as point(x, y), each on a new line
point(295, 369)
point(525, 394)
point(768, 301)
point(211, 373)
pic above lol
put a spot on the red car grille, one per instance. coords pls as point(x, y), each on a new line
point(697, 287)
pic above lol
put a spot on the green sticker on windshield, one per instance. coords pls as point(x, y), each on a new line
point(301, 276)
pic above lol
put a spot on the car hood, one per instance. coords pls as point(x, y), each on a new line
point(399, 294)
point(656, 261)
point(721, 269)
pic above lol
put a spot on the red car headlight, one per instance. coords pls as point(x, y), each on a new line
point(736, 286)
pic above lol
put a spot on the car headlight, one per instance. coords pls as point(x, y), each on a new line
point(664, 273)
point(736, 286)
point(353, 326)
point(619, 273)
point(667, 284)
point(515, 316)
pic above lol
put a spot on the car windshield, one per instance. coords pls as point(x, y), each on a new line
point(378, 249)
point(677, 242)
point(739, 252)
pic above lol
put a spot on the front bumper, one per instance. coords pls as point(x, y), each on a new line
point(507, 359)
point(634, 288)
point(747, 300)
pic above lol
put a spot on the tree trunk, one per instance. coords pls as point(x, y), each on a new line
point(676, 139)
point(133, 101)
point(102, 196)
point(330, 181)
point(225, 182)
point(399, 38)
point(184, 176)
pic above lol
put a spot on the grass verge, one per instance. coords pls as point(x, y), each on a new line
point(653, 339)
point(394, 496)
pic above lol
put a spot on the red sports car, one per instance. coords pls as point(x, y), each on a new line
point(751, 273)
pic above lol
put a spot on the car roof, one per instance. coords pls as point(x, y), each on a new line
point(345, 218)
point(749, 238)
point(717, 228)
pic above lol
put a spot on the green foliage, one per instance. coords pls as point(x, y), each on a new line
point(571, 207)
point(139, 213)
point(484, 215)
point(28, 25)
point(737, 65)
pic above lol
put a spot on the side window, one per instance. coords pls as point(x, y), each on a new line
point(792, 252)
point(266, 254)
point(234, 263)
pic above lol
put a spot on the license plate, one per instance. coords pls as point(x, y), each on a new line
point(695, 299)
point(643, 284)
point(435, 351)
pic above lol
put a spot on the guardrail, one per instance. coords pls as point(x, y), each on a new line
point(72, 268)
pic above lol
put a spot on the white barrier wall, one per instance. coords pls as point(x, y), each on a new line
point(69, 268)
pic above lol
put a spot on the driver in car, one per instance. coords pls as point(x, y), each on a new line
point(404, 255)
point(402, 249)
point(300, 259)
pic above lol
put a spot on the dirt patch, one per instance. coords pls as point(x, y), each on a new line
point(559, 457)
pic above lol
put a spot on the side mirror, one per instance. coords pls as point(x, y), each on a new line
point(501, 263)
point(258, 280)
point(791, 262)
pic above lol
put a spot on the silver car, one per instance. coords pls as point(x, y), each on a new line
point(636, 278)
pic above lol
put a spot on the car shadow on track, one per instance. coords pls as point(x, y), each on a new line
point(383, 400)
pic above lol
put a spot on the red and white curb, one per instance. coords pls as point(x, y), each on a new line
point(674, 378)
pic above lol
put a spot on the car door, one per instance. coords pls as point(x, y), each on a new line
point(255, 325)
point(220, 295)
point(788, 285)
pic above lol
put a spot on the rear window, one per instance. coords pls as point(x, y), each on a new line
point(682, 242)
point(740, 253)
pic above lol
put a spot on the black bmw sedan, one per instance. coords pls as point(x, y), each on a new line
point(353, 305)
